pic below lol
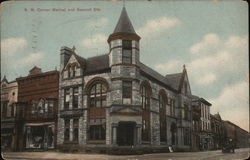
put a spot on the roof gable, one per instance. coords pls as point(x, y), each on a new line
point(184, 83)
point(74, 58)
point(174, 80)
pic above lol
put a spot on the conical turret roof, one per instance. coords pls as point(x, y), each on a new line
point(124, 29)
point(124, 24)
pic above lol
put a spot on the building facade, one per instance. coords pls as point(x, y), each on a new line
point(202, 135)
point(217, 128)
point(9, 92)
point(37, 110)
point(238, 135)
point(116, 100)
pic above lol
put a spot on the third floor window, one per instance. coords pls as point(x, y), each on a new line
point(127, 51)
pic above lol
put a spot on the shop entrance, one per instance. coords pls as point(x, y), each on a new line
point(40, 137)
point(125, 133)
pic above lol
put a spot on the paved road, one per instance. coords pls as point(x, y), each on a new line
point(209, 155)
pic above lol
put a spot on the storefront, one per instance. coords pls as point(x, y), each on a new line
point(40, 135)
point(8, 136)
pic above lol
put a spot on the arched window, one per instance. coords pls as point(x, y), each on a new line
point(145, 100)
point(162, 115)
point(97, 95)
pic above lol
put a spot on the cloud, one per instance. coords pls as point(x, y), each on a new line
point(156, 26)
point(209, 41)
point(100, 22)
point(11, 45)
point(207, 79)
point(95, 41)
point(171, 66)
point(219, 57)
point(233, 104)
point(31, 59)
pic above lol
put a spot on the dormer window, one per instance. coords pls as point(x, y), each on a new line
point(127, 51)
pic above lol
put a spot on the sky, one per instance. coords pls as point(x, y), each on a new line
point(210, 37)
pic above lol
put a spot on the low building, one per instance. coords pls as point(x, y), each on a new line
point(9, 92)
point(37, 109)
point(237, 134)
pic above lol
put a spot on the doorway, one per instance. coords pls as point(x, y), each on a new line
point(125, 133)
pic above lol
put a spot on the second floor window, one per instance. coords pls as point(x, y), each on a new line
point(126, 92)
point(75, 97)
point(66, 98)
point(98, 94)
point(127, 51)
point(186, 117)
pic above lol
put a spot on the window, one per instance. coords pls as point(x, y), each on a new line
point(75, 97)
point(75, 129)
point(185, 112)
point(127, 92)
point(98, 95)
point(172, 107)
point(127, 51)
point(66, 98)
point(66, 129)
point(186, 136)
point(41, 106)
point(97, 132)
point(69, 72)
point(163, 122)
point(73, 71)
point(50, 106)
point(145, 100)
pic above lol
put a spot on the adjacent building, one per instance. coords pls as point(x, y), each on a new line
point(9, 92)
point(217, 128)
point(37, 110)
point(237, 134)
point(202, 136)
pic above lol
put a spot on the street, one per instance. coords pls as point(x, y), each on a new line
point(209, 155)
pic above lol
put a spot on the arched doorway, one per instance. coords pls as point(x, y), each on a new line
point(126, 133)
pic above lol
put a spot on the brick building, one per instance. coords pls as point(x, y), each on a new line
point(37, 109)
point(116, 100)
point(9, 91)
